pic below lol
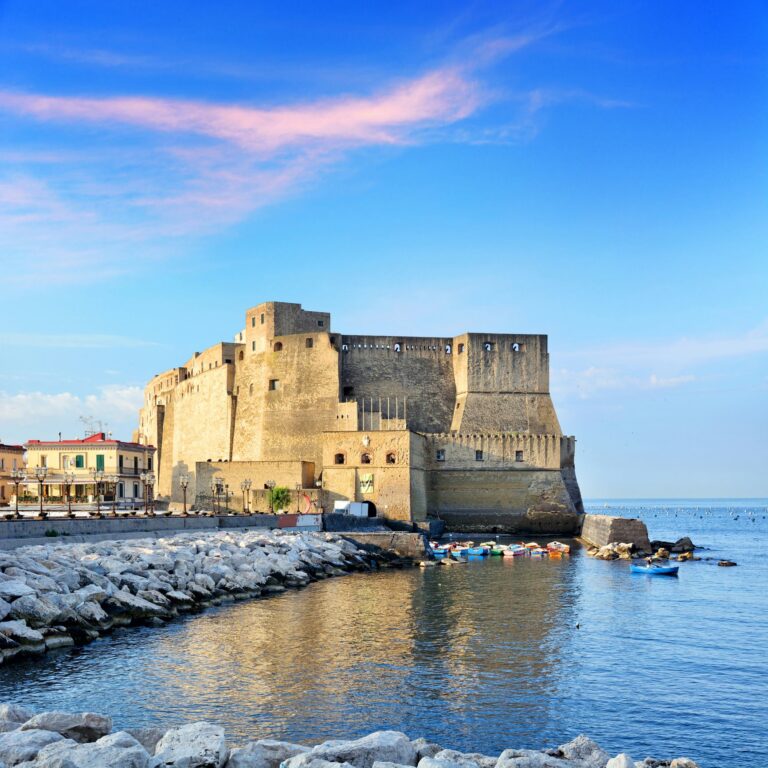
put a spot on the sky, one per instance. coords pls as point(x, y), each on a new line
point(594, 171)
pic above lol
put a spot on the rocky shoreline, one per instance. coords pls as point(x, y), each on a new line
point(86, 740)
point(60, 595)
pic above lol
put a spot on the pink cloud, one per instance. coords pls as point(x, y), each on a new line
point(438, 97)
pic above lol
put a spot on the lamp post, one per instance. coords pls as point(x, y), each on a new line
point(226, 498)
point(69, 478)
point(151, 492)
point(213, 496)
point(112, 480)
point(218, 484)
point(245, 487)
point(40, 474)
point(148, 478)
point(18, 476)
point(98, 477)
point(299, 486)
point(269, 485)
point(184, 482)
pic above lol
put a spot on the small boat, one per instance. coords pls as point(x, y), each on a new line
point(538, 552)
point(558, 546)
point(655, 570)
point(497, 551)
point(440, 551)
point(531, 545)
point(478, 551)
point(515, 550)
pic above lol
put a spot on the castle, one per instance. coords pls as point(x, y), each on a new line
point(462, 429)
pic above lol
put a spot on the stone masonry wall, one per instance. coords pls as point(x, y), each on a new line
point(600, 530)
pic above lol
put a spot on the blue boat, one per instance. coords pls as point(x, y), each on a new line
point(440, 551)
point(655, 570)
point(478, 551)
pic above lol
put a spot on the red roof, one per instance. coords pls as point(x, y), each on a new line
point(96, 438)
point(4, 447)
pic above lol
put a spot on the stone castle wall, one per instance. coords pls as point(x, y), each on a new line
point(290, 389)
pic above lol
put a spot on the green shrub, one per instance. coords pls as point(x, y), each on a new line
point(279, 498)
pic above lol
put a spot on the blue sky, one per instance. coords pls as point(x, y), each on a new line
point(593, 171)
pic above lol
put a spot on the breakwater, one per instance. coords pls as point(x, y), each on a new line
point(60, 595)
point(85, 740)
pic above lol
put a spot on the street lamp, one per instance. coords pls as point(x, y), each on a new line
point(269, 485)
point(299, 486)
point(69, 479)
point(112, 480)
point(184, 482)
point(98, 477)
point(218, 488)
point(245, 487)
point(40, 474)
point(18, 476)
point(148, 479)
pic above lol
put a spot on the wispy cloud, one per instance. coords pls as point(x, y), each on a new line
point(652, 365)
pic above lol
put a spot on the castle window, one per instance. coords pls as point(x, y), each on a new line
point(309, 343)
point(250, 388)
point(320, 323)
point(397, 347)
point(339, 458)
point(349, 391)
point(391, 458)
point(518, 455)
point(278, 346)
point(461, 349)
point(227, 361)
point(515, 347)
point(262, 318)
point(365, 458)
point(448, 349)
point(478, 456)
point(274, 385)
point(253, 321)
point(440, 454)
point(345, 347)
point(488, 346)
point(240, 356)
point(253, 346)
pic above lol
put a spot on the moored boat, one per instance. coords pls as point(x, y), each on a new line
point(558, 546)
point(655, 570)
point(478, 551)
point(515, 550)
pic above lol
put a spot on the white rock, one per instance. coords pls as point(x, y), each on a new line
point(36, 611)
point(82, 727)
point(425, 748)
point(266, 753)
point(13, 588)
point(467, 759)
point(18, 746)
point(118, 750)
point(683, 762)
point(147, 737)
point(621, 761)
point(584, 749)
point(15, 712)
point(197, 745)
point(529, 758)
point(381, 746)
point(5, 608)
point(434, 762)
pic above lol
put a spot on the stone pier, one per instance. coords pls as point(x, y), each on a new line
point(599, 530)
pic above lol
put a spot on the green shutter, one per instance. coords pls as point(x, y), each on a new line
point(79, 461)
point(100, 461)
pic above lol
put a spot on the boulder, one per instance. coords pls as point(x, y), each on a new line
point(425, 748)
point(683, 762)
point(529, 758)
point(19, 746)
point(682, 545)
point(29, 640)
point(15, 713)
point(662, 554)
point(83, 727)
point(467, 759)
point(5, 608)
point(266, 753)
point(147, 737)
point(620, 761)
point(13, 588)
point(584, 749)
point(197, 745)
point(433, 762)
point(381, 746)
point(118, 750)
point(36, 611)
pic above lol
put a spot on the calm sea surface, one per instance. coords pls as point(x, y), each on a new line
point(484, 656)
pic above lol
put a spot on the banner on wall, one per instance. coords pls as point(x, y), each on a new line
point(366, 483)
